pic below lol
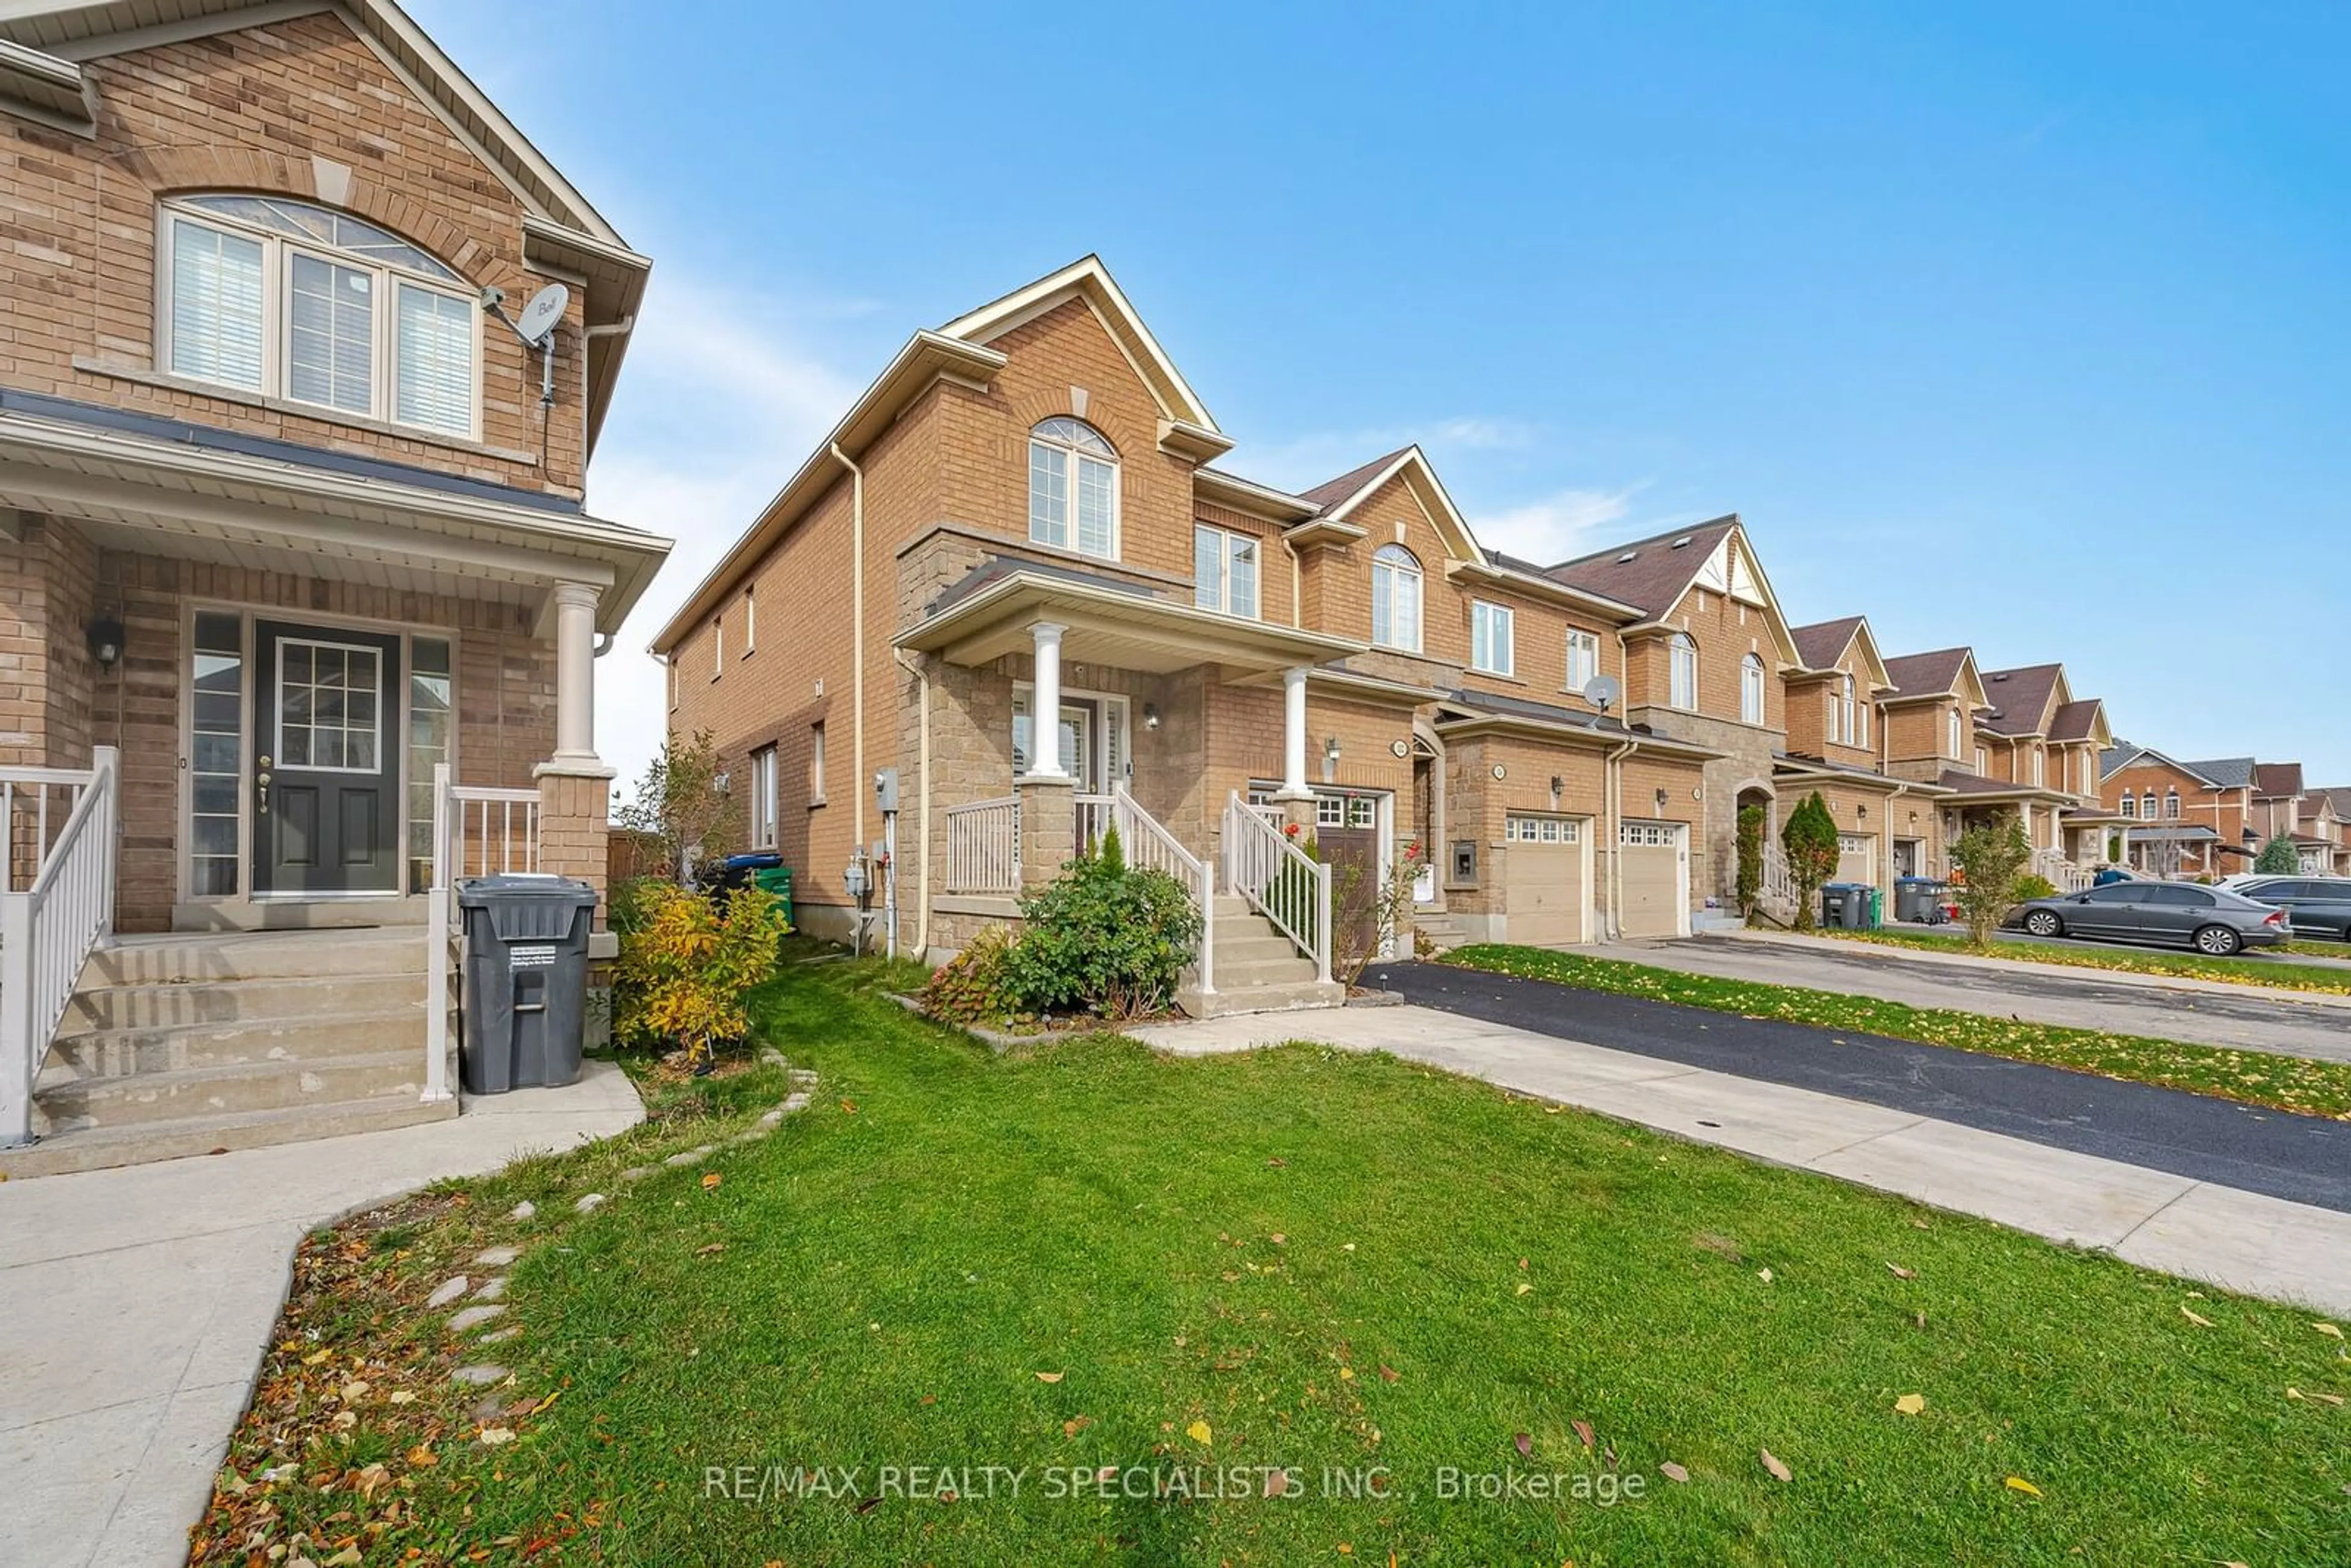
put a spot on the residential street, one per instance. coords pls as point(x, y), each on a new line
point(2303, 1159)
point(2280, 1021)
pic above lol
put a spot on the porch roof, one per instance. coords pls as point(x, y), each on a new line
point(1471, 713)
point(989, 613)
point(163, 487)
point(1796, 766)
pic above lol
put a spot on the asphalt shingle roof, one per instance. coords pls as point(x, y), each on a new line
point(2277, 779)
point(1651, 574)
point(1916, 675)
point(1336, 492)
point(2072, 720)
point(2019, 697)
point(1819, 644)
point(2226, 772)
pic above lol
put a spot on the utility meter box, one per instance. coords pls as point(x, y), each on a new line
point(885, 792)
point(857, 876)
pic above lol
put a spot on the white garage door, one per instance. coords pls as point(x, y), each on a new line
point(1656, 878)
point(1545, 890)
point(1857, 858)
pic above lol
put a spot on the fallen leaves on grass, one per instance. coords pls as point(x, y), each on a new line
point(2193, 1316)
point(1910, 1405)
point(1200, 1432)
point(1075, 1425)
point(710, 1182)
point(2018, 1483)
point(1673, 1473)
point(1902, 1273)
point(1388, 1373)
point(2329, 1330)
point(1523, 1443)
point(1583, 1434)
point(1049, 1376)
point(1778, 1467)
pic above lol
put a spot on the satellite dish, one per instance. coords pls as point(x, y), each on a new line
point(1603, 692)
point(538, 318)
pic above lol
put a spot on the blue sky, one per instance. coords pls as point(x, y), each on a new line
point(2020, 327)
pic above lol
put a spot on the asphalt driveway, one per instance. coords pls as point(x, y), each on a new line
point(2278, 1021)
point(2303, 1159)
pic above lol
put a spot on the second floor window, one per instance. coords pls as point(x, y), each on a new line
point(1951, 738)
point(1842, 719)
point(763, 798)
point(1582, 660)
point(1983, 768)
point(2037, 766)
point(1681, 655)
point(1395, 599)
point(2172, 803)
point(1490, 638)
point(1750, 689)
point(1223, 571)
point(287, 299)
point(2130, 805)
point(1073, 488)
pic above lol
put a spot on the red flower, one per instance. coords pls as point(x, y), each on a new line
point(1290, 829)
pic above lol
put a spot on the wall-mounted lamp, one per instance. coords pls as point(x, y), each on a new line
point(1860, 812)
point(1662, 799)
point(105, 635)
point(1151, 715)
point(1557, 786)
point(1914, 819)
point(718, 783)
point(1331, 750)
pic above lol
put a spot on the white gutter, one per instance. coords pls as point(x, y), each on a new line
point(1611, 800)
point(922, 804)
point(857, 635)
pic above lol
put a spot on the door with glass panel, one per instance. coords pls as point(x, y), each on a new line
point(328, 812)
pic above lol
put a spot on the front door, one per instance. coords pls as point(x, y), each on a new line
point(327, 801)
point(1346, 835)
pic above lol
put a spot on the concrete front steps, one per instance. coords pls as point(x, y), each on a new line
point(200, 1044)
point(1257, 969)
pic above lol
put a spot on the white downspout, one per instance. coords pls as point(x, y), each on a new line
point(1611, 800)
point(857, 638)
point(921, 805)
point(1297, 581)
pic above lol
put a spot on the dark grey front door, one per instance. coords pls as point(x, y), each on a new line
point(327, 805)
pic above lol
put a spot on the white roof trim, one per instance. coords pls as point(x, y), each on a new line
point(1088, 279)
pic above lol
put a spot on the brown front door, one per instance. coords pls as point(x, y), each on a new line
point(1350, 846)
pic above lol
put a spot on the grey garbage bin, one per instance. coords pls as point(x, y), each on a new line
point(526, 993)
point(1836, 901)
point(1919, 898)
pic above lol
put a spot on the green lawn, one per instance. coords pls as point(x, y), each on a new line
point(1334, 1265)
point(2250, 971)
point(2254, 1077)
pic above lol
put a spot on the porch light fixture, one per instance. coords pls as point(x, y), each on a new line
point(1151, 715)
point(105, 635)
point(1557, 785)
point(1661, 802)
point(1860, 812)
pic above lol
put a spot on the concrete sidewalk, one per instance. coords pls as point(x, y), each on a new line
point(135, 1305)
point(2220, 1235)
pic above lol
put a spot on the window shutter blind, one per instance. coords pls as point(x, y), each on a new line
point(435, 358)
point(331, 351)
point(216, 306)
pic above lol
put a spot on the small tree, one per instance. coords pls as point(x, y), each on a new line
point(680, 815)
point(1366, 910)
point(1809, 837)
point(1987, 861)
point(1750, 859)
point(2278, 857)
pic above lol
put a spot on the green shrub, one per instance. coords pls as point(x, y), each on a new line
point(969, 988)
point(1809, 837)
point(684, 968)
point(2032, 886)
point(1751, 858)
point(1101, 938)
point(1986, 864)
point(2278, 857)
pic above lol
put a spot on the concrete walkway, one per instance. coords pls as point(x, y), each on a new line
point(2314, 1025)
point(135, 1305)
point(2220, 1235)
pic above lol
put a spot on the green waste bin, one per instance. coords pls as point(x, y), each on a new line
point(777, 880)
point(1876, 909)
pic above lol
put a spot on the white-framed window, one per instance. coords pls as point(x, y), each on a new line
point(1533, 830)
point(1953, 739)
point(1861, 722)
point(751, 625)
point(2172, 803)
point(1225, 570)
point(2130, 804)
point(763, 798)
point(1073, 488)
point(1856, 844)
point(1652, 834)
point(718, 646)
point(816, 764)
point(1492, 638)
point(1681, 655)
point(1395, 599)
point(285, 298)
point(1750, 689)
point(1842, 712)
point(2039, 764)
point(1330, 812)
point(1582, 660)
point(2147, 805)
point(1981, 762)
point(329, 718)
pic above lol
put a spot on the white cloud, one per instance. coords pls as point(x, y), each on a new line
point(722, 402)
point(1559, 527)
point(1310, 459)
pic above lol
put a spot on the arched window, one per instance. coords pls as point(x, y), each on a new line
point(2130, 804)
point(1845, 720)
point(2172, 803)
point(290, 300)
point(1682, 655)
point(1395, 599)
point(1953, 731)
point(1750, 689)
point(1073, 488)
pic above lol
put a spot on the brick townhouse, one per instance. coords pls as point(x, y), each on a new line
point(289, 521)
point(2182, 818)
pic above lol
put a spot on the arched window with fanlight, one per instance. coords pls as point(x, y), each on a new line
point(1073, 488)
point(1681, 655)
point(1395, 599)
point(289, 300)
point(1750, 689)
point(1845, 718)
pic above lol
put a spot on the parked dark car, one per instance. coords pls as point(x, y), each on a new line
point(2171, 914)
point(2313, 905)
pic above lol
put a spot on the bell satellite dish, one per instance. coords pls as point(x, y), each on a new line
point(1603, 692)
point(538, 318)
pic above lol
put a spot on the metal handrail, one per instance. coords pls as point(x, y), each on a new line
point(456, 808)
point(1148, 844)
point(48, 930)
point(984, 846)
point(1280, 881)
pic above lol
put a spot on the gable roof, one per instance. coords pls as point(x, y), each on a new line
point(43, 44)
point(2123, 754)
point(2225, 772)
point(2277, 779)
point(2021, 698)
point(2076, 720)
point(1822, 644)
point(1334, 493)
point(1650, 574)
point(1088, 279)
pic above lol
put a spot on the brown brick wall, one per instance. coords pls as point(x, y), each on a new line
point(262, 110)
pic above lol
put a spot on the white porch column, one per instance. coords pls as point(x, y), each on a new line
point(1293, 735)
point(575, 677)
point(1045, 705)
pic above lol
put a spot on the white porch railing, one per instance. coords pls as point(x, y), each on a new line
point(1147, 844)
point(48, 928)
point(984, 846)
point(1779, 888)
point(476, 831)
point(1280, 881)
point(2063, 874)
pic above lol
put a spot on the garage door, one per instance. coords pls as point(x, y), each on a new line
point(1656, 878)
point(1544, 889)
point(1857, 858)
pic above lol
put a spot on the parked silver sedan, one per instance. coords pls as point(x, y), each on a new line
point(2212, 920)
